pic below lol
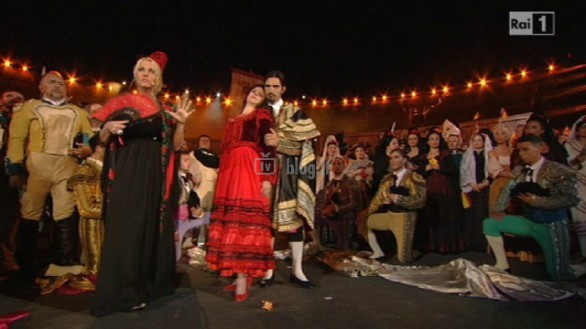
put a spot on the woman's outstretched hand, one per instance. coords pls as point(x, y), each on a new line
point(183, 112)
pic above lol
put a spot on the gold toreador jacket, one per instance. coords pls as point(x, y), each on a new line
point(559, 179)
point(37, 126)
point(412, 181)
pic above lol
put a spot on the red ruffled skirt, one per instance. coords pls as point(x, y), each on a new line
point(240, 231)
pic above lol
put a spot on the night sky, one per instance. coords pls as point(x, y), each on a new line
point(326, 48)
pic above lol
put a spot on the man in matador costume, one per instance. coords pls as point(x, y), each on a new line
point(545, 190)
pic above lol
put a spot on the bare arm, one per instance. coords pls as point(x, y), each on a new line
point(179, 135)
point(181, 115)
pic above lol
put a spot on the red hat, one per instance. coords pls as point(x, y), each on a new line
point(160, 58)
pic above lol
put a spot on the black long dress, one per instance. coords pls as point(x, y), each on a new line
point(138, 258)
point(440, 224)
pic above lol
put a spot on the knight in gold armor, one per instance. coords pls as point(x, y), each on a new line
point(86, 186)
point(394, 206)
point(46, 137)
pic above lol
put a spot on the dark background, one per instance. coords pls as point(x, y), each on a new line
point(326, 48)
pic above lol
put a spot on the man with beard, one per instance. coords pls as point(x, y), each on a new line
point(47, 136)
point(294, 200)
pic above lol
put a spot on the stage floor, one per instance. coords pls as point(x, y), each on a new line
point(338, 302)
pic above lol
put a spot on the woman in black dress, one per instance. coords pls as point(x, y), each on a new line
point(442, 220)
point(138, 257)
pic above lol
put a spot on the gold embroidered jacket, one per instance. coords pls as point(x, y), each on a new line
point(559, 179)
point(294, 203)
point(41, 127)
point(85, 184)
point(412, 181)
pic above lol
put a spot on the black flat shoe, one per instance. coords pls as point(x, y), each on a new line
point(267, 282)
point(301, 283)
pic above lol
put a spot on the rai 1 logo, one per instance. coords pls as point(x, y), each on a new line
point(531, 23)
point(265, 165)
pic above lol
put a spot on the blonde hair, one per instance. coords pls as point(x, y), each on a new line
point(158, 73)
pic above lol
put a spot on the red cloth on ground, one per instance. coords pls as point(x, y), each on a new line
point(7, 319)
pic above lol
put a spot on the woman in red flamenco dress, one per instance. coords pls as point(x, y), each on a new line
point(240, 230)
